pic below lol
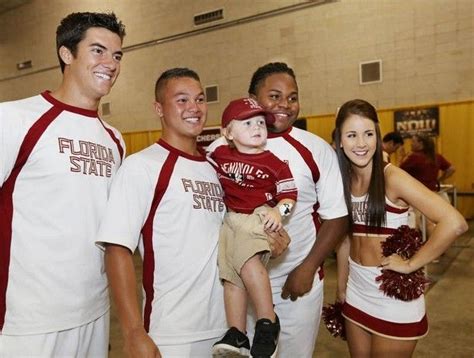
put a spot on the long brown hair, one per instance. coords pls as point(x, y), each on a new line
point(376, 215)
point(428, 146)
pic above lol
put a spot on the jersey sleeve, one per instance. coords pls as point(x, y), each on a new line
point(329, 187)
point(285, 185)
point(128, 205)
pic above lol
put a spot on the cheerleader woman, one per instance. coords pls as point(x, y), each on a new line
point(378, 195)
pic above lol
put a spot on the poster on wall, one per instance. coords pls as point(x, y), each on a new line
point(421, 120)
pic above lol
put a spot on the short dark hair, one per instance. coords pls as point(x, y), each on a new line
point(393, 136)
point(269, 69)
point(170, 74)
point(73, 27)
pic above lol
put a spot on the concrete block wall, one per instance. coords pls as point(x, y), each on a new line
point(427, 49)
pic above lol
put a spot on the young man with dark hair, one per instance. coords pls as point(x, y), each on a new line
point(166, 200)
point(57, 161)
point(73, 29)
point(391, 142)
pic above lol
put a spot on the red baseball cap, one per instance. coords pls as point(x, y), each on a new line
point(244, 108)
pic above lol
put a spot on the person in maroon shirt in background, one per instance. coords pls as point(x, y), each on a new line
point(424, 164)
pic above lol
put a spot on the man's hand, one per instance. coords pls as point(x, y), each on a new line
point(299, 282)
point(278, 241)
point(138, 344)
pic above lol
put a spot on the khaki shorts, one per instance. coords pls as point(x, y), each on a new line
point(241, 237)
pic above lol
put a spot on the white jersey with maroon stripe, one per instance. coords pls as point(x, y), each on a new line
point(56, 168)
point(170, 205)
point(315, 169)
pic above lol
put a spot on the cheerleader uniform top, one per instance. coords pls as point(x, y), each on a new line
point(396, 216)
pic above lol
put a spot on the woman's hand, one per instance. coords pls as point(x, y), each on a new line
point(397, 263)
point(340, 296)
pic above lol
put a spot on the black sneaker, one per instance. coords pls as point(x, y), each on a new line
point(265, 341)
point(233, 344)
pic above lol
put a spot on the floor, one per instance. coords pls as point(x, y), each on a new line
point(449, 302)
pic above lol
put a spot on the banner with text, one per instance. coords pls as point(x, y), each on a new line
point(208, 136)
point(412, 121)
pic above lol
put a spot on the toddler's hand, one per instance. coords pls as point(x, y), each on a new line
point(272, 220)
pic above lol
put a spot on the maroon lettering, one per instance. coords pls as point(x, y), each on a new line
point(108, 170)
point(93, 151)
point(84, 148)
point(76, 166)
point(208, 203)
point(359, 211)
point(86, 157)
point(93, 168)
point(187, 184)
point(110, 158)
point(64, 143)
point(197, 202)
point(206, 195)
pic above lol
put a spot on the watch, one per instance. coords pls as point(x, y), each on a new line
point(285, 209)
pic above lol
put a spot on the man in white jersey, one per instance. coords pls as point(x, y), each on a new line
point(319, 218)
point(57, 161)
point(167, 200)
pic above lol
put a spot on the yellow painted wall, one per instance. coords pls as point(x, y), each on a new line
point(455, 142)
point(136, 141)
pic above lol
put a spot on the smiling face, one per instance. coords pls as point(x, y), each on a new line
point(92, 71)
point(182, 109)
point(359, 140)
point(278, 94)
point(248, 135)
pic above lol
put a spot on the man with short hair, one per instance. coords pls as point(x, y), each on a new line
point(391, 142)
point(167, 200)
point(57, 162)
